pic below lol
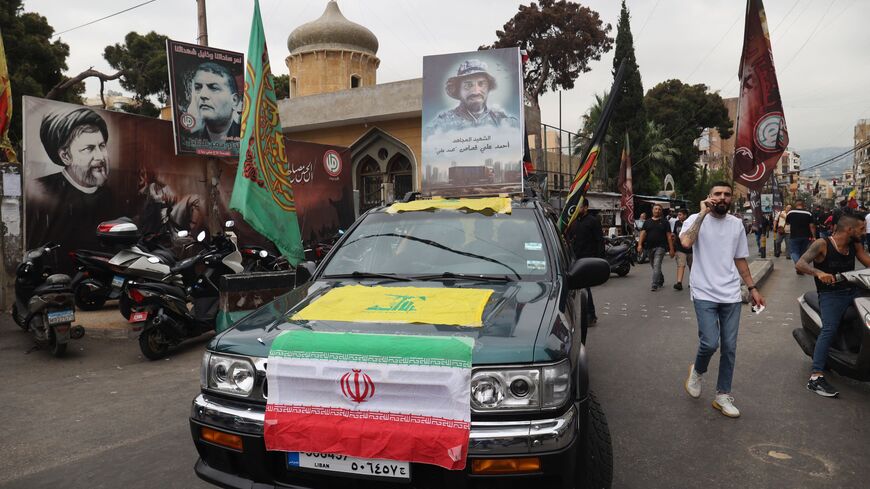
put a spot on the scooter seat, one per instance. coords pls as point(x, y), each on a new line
point(162, 288)
point(812, 300)
point(165, 256)
point(56, 288)
point(58, 279)
point(616, 250)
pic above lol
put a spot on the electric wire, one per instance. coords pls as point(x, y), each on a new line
point(807, 40)
point(854, 149)
point(104, 18)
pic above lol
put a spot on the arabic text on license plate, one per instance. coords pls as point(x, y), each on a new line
point(60, 317)
point(117, 281)
point(138, 317)
point(349, 465)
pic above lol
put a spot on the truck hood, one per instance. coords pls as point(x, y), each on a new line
point(511, 320)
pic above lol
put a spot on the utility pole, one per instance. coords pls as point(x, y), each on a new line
point(202, 35)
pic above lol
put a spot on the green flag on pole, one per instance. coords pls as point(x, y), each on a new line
point(262, 191)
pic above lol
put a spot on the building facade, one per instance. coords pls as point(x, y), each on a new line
point(861, 159)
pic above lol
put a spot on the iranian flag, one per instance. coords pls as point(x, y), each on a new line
point(392, 397)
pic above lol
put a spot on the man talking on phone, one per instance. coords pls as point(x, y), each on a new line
point(719, 246)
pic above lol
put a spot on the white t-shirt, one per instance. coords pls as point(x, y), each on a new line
point(867, 223)
point(714, 275)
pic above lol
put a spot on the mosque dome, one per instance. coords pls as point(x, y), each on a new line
point(332, 31)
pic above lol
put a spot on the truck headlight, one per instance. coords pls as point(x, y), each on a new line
point(228, 374)
point(530, 388)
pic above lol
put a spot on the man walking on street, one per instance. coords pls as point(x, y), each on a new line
point(803, 230)
point(683, 255)
point(780, 228)
point(587, 241)
point(825, 258)
point(720, 248)
point(656, 237)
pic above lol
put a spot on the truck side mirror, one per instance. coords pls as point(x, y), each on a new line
point(588, 272)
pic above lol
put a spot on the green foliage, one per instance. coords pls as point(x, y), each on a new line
point(36, 64)
point(561, 38)
point(145, 107)
point(701, 189)
point(143, 60)
point(282, 86)
point(683, 112)
point(629, 115)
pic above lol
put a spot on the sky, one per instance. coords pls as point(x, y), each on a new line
point(819, 46)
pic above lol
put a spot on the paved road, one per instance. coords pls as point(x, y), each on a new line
point(785, 437)
point(107, 418)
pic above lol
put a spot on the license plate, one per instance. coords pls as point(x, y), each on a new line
point(138, 317)
point(327, 462)
point(60, 317)
point(117, 281)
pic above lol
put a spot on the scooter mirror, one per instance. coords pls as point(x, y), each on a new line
point(263, 253)
point(230, 223)
point(153, 259)
point(183, 234)
point(201, 236)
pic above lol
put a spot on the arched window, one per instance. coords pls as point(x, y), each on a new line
point(293, 87)
point(399, 173)
point(370, 178)
point(355, 81)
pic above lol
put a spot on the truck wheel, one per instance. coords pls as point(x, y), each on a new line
point(595, 467)
point(152, 344)
point(57, 349)
point(86, 301)
point(623, 269)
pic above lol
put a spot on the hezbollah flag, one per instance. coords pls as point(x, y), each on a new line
point(583, 178)
point(262, 191)
point(7, 153)
point(761, 131)
point(389, 397)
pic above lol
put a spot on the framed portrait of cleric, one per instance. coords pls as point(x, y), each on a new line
point(206, 87)
point(472, 122)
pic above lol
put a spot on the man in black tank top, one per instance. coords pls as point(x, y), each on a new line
point(824, 259)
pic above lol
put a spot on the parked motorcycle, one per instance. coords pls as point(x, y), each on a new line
point(44, 303)
point(103, 276)
point(163, 307)
point(621, 254)
point(849, 354)
point(258, 259)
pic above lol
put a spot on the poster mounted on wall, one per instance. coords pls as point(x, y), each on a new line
point(472, 122)
point(206, 87)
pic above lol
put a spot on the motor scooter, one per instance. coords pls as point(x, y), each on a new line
point(849, 354)
point(44, 304)
point(621, 254)
point(165, 309)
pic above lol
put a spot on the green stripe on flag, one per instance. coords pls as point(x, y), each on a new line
point(448, 351)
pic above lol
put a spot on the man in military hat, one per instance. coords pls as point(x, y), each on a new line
point(75, 199)
point(471, 86)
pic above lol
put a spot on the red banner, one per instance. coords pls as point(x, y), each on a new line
point(761, 130)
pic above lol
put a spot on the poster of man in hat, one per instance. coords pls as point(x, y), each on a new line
point(472, 122)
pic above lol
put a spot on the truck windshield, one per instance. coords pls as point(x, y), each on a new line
point(451, 242)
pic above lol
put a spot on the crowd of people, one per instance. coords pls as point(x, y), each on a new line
point(715, 249)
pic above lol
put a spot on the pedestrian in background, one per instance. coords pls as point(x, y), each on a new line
point(683, 254)
point(866, 230)
point(720, 248)
point(657, 239)
point(780, 229)
point(587, 241)
point(803, 230)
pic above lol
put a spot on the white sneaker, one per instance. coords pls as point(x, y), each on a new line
point(693, 382)
point(725, 404)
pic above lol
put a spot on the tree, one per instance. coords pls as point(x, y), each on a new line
point(629, 115)
point(141, 63)
point(36, 64)
point(684, 111)
point(661, 155)
point(561, 38)
point(282, 86)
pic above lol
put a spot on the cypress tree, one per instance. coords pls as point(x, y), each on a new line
point(629, 114)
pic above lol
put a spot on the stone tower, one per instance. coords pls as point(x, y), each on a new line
point(331, 54)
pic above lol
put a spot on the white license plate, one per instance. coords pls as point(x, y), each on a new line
point(60, 317)
point(349, 465)
point(117, 281)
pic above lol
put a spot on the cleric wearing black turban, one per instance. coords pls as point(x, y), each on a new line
point(76, 198)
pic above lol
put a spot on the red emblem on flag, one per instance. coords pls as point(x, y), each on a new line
point(357, 386)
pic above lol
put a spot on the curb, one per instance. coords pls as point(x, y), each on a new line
point(760, 270)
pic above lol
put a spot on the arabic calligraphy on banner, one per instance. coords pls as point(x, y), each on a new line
point(481, 144)
point(301, 173)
